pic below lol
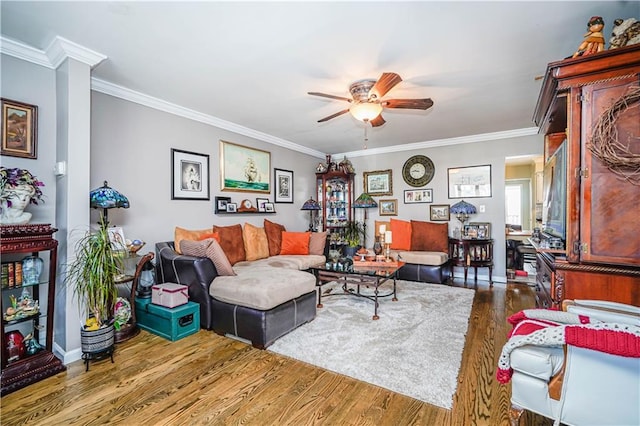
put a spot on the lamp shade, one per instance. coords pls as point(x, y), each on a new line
point(106, 197)
point(462, 207)
point(310, 204)
point(364, 201)
point(365, 111)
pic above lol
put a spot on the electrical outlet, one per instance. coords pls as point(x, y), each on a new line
point(482, 208)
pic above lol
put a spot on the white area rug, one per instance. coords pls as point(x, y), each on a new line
point(415, 348)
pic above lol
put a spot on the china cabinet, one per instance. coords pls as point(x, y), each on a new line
point(27, 307)
point(335, 195)
point(600, 258)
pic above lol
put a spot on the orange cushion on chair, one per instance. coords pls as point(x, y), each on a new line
point(400, 234)
point(295, 243)
point(256, 245)
point(232, 242)
point(274, 236)
point(189, 234)
point(429, 236)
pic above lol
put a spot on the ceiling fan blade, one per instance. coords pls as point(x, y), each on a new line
point(386, 82)
point(324, 95)
point(329, 117)
point(378, 121)
point(408, 103)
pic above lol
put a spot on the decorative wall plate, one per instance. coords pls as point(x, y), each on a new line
point(418, 170)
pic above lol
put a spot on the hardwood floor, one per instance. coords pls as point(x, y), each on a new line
point(209, 379)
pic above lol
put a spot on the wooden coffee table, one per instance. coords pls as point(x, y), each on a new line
point(367, 274)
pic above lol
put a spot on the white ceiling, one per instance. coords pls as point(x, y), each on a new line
point(252, 63)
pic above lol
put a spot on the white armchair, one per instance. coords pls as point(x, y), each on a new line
point(579, 386)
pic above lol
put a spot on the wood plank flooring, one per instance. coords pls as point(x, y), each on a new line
point(213, 380)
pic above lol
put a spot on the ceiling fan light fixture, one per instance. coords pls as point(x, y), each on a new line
point(365, 111)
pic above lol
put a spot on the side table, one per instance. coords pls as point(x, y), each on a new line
point(476, 253)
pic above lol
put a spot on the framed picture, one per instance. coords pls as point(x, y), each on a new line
point(232, 207)
point(484, 229)
point(470, 231)
point(221, 204)
point(379, 182)
point(19, 129)
point(116, 236)
point(284, 185)
point(418, 196)
point(268, 207)
point(260, 203)
point(388, 207)
point(190, 173)
point(469, 182)
point(244, 169)
point(439, 213)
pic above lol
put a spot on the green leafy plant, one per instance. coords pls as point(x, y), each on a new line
point(92, 274)
point(353, 233)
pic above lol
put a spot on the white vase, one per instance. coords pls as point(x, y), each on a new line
point(19, 196)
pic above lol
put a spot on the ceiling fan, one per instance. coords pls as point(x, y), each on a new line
point(367, 103)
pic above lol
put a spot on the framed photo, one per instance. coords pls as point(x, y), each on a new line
point(260, 203)
point(244, 169)
point(232, 207)
point(116, 236)
point(484, 229)
point(379, 182)
point(190, 173)
point(439, 213)
point(221, 204)
point(412, 196)
point(470, 231)
point(19, 129)
point(388, 207)
point(268, 207)
point(284, 185)
point(469, 182)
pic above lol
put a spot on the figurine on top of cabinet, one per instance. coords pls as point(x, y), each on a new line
point(593, 40)
point(626, 32)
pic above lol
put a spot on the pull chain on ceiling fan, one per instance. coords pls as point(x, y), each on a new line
point(367, 103)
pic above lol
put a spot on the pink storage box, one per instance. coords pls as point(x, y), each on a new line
point(169, 295)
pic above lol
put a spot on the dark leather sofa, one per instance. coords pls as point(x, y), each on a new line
point(437, 274)
point(259, 327)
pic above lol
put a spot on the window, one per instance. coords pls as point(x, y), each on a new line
point(517, 196)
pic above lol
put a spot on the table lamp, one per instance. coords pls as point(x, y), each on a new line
point(107, 198)
point(462, 210)
point(364, 201)
point(311, 205)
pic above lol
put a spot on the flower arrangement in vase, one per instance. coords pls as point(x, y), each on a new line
point(18, 189)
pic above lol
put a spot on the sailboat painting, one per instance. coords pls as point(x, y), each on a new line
point(244, 169)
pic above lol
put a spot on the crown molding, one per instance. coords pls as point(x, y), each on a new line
point(483, 137)
point(171, 108)
point(58, 50)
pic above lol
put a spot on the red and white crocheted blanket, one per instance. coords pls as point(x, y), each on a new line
point(544, 327)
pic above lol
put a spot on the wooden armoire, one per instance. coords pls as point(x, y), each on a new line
point(601, 256)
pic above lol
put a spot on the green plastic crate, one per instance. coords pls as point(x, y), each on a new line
point(170, 323)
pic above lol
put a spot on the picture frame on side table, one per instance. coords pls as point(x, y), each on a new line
point(484, 230)
point(244, 169)
point(470, 232)
point(116, 237)
point(190, 172)
point(469, 182)
point(260, 203)
point(19, 129)
point(283, 180)
point(439, 213)
point(221, 204)
point(412, 196)
point(388, 207)
point(379, 182)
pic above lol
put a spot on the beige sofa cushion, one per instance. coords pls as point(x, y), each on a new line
point(262, 288)
point(431, 258)
point(287, 261)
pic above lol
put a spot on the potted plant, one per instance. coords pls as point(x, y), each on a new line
point(18, 189)
point(353, 233)
point(92, 276)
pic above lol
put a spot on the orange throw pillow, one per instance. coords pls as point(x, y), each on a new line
point(317, 241)
point(400, 234)
point(191, 235)
point(255, 242)
point(295, 243)
point(274, 236)
point(429, 236)
point(231, 242)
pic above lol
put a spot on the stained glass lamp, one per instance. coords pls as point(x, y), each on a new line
point(107, 198)
point(364, 201)
point(462, 210)
point(311, 205)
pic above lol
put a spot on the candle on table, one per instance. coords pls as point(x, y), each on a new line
point(387, 237)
